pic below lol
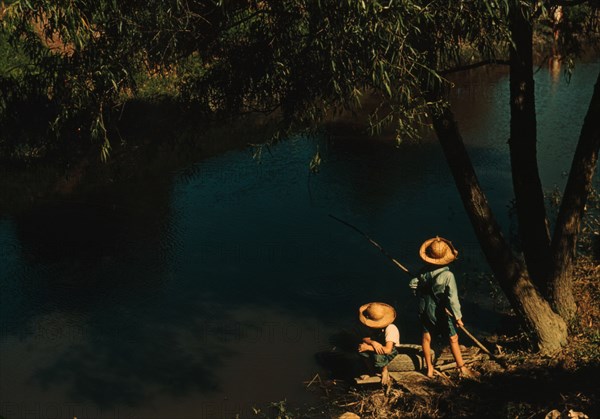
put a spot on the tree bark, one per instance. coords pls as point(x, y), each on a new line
point(572, 208)
point(546, 329)
point(534, 233)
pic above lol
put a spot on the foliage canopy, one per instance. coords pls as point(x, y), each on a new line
point(305, 58)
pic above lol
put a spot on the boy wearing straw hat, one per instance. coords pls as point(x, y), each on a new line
point(384, 336)
point(439, 308)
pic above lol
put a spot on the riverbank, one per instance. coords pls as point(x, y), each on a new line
point(522, 385)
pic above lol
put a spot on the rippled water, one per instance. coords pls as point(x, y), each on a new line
point(204, 292)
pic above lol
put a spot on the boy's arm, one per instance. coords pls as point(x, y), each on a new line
point(368, 347)
point(376, 346)
point(452, 292)
point(389, 347)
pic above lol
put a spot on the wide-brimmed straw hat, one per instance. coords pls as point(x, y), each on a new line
point(376, 315)
point(438, 251)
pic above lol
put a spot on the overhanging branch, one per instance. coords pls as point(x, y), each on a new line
point(568, 3)
point(474, 65)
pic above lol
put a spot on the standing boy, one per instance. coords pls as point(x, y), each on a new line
point(439, 308)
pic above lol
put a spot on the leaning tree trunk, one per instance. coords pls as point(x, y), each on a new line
point(572, 207)
point(529, 196)
point(547, 330)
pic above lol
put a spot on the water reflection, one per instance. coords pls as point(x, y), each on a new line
point(554, 65)
point(373, 177)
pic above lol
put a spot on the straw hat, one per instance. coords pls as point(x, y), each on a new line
point(438, 251)
point(376, 315)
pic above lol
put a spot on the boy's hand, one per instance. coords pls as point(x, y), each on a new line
point(364, 347)
point(459, 323)
point(378, 347)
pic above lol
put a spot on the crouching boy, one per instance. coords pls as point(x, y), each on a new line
point(380, 346)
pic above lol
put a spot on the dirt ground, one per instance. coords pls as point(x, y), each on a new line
point(525, 386)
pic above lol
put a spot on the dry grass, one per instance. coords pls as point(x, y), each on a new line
point(584, 344)
point(529, 388)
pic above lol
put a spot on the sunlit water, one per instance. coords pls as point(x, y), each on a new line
point(203, 293)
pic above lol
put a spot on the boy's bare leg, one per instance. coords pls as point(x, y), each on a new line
point(426, 343)
point(456, 353)
point(385, 376)
point(455, 349)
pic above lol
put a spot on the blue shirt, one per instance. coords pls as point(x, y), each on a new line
point(436, 291)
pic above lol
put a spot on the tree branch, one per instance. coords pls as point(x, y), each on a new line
point(579, 186)
point(568, 2)
point(474, 65)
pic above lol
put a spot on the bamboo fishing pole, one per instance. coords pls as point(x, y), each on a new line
point(374, 243)
point(399, 265)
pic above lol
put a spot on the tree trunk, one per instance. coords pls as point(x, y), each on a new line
point(532, 220)
point(546, 329)
point(572, 208)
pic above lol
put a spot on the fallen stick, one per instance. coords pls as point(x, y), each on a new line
point(474, 339)
point(444, 376)
point(316, 377)
point(447, 366)
point(451, 365)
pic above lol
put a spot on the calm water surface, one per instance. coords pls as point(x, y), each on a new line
point(204, 292)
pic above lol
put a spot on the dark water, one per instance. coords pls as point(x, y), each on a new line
point(207, 291)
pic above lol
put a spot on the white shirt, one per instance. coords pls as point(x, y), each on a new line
point(392, 334)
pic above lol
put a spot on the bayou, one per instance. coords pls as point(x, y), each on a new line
point(213, 208)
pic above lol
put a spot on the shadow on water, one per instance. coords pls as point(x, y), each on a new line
point(110, 371)
point(93, 277)
point(380, 172)
point(102, 269)
point(97, 285)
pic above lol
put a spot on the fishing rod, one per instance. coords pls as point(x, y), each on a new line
point(399, 265)
point(374, 243)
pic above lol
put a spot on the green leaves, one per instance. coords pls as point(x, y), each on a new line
point(82, 56)
point(305, 58)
